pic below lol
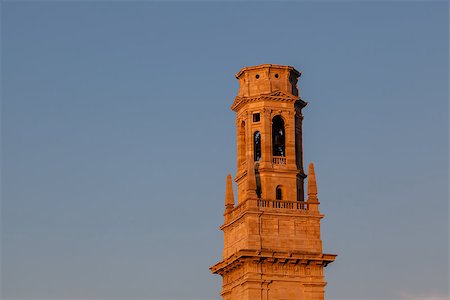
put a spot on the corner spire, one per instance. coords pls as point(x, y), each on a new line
point(312, 184)
point(251, 181)
point(229, 196)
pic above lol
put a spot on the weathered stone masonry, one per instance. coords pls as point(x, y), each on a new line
point(272, 245)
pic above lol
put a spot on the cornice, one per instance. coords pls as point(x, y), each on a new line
point(259, 256)
point(276, 96)
point(268, 66)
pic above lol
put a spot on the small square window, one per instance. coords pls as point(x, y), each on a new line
point(256, 117)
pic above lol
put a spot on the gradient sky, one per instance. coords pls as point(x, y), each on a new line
point(117, 136)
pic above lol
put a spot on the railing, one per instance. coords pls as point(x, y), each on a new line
point(296, 207)
point(279, 160)
point(283, 204)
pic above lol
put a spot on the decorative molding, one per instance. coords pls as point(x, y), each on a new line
point(271, 257)
point(277, 96)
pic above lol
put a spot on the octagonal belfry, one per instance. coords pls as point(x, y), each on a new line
point(272, 245)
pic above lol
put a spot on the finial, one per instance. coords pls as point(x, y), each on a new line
point(312, 184)
point(251, 180)
point(229, 196)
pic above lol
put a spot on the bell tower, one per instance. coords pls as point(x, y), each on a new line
point(272, 245)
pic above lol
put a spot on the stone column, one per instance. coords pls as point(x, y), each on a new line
point(266, 135)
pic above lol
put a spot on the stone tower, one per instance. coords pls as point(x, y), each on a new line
point(272, 245)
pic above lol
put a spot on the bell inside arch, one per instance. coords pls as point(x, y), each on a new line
point(278, 137)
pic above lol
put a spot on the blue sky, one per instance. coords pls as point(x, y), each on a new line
point(117, 136)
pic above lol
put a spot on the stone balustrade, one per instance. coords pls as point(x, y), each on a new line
point(292, 207)
point(279, 160)
point(282, 204)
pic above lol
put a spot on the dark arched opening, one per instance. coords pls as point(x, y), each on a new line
point(279, 193)
point(278, 137)
point(257, 145)
point(241, 144)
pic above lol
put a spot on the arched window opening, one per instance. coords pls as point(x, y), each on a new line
point(257, 145)
point(278, 137)
point(279, 193)
point(241, 149)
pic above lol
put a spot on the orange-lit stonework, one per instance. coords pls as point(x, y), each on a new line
point(272, 245)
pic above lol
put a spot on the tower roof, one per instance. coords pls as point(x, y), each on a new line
point(266, 66)
point(266, 79)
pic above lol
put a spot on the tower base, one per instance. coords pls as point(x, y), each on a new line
point(269, 275)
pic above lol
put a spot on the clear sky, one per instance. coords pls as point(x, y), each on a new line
point(117, 136)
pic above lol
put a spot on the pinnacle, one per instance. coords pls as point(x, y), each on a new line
point(229, 196)
point(312, 183)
